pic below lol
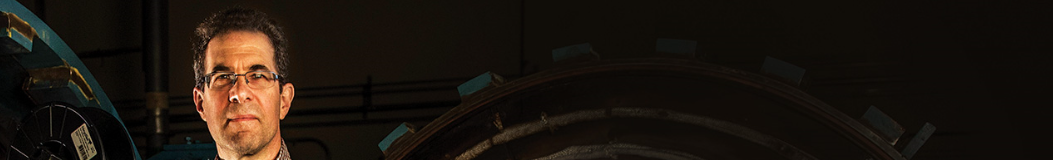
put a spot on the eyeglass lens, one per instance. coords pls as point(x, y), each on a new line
point(256, 80)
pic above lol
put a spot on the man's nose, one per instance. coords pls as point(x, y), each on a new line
point(240, 92)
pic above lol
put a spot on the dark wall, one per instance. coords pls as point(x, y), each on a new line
point(978, 70)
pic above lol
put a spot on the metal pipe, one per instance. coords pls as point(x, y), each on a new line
point(329, 91)
point(367, 96)
point(194, 118)
point(426, 118)
point(522, 38)
point(155, 66)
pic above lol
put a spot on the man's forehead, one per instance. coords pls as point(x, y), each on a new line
point(232, 39)
point(239, 62)
point(254, 67)
point(239, 50)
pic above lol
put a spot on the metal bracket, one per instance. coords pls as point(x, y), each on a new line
point(918, 140)
point(885, 126)
point(577, 51)
point(402, 129)
point(14, 29)
point(789, 72)
point(479, 82)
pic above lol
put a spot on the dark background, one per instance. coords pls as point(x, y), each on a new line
point(978, 70)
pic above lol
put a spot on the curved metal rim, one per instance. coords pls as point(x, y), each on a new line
point(612, 150)
point(827, 115)
point(521, 130)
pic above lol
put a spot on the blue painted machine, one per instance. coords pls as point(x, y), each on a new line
point(51, 107)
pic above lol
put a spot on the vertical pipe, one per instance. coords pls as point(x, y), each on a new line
point(155, 66)
point(522, 38)
point(367, 96)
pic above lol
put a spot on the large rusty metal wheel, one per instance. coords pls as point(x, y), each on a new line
point(655, 108)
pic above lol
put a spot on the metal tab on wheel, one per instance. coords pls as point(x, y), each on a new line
point(786, 71)
point(918, 140)
point(16, 35)
point(479, 82)
point(578, 51)
point(885, 126)
point(402, 129)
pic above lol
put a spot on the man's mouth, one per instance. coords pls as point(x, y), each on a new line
point(244, 117)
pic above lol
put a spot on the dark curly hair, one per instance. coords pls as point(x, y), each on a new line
point(239, 19)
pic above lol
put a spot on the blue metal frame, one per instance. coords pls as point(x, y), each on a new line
point(65, 55)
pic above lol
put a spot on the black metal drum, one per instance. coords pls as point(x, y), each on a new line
point(62, 131)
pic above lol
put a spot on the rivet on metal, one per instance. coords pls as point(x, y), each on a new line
point(497, 121)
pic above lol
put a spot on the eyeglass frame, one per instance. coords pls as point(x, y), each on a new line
point(207, 79)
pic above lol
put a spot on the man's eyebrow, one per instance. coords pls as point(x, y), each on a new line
point(257, 67)
point(220, 67)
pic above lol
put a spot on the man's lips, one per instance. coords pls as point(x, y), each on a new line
point(240, 118)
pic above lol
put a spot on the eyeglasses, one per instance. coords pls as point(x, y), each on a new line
point(254, 79)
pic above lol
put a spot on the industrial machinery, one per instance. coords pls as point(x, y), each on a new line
point(667, 105)
point(51, 107)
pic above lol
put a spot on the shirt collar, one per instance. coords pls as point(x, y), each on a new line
point(283, 154)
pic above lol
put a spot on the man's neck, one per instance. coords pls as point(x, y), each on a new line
point(269, 152)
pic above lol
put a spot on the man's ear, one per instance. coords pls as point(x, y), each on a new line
point(197, 103)
point(288, 92)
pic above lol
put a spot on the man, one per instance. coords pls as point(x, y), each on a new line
point(242, 94)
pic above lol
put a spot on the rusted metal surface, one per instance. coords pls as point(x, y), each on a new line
point(759, 117)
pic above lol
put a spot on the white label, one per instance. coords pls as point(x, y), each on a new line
point(82, 140)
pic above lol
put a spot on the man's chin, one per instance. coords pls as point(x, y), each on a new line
point(245, 143)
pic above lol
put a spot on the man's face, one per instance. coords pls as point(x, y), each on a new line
point(240, 118)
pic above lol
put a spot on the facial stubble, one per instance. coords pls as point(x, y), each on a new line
point(245, 139)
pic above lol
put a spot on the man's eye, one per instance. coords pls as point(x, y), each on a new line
point(223, 76)
point(258, 75)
